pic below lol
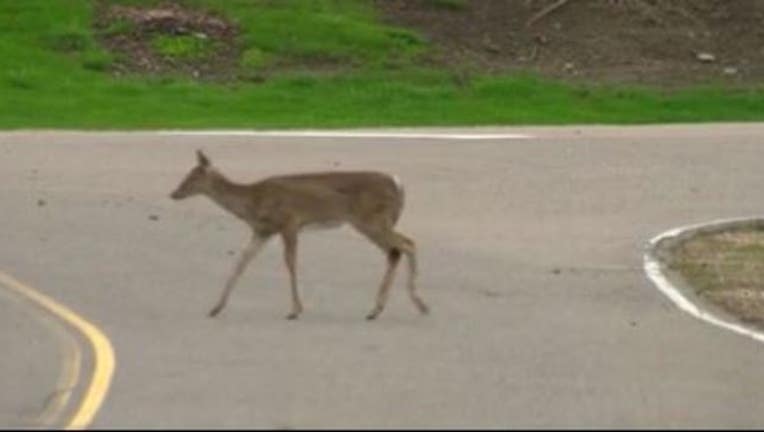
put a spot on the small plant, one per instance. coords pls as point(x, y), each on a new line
point(405, 38)
point(97, 60)
point(20, 79)
point(184, 47)
point(119, 26)
point(449, 4)
point(254, 59)
point(68, 41)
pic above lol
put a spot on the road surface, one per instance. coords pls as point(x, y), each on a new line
point(530, 255)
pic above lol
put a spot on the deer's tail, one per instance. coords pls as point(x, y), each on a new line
point(402, 194)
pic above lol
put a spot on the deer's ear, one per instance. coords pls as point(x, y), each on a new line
point(202, 159)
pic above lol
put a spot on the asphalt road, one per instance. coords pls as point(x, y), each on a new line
point(531, 260)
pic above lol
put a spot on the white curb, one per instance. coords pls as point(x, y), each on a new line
point(655, 272)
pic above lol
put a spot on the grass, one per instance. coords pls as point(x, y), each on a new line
point(726, 269)
point(53, 74)
point(183, 46)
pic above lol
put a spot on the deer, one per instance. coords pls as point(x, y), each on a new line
point(285, 205)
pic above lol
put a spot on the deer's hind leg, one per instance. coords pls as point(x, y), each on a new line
point(393, 257)
point(410, 251)
point(393, 244)
point(289, 236)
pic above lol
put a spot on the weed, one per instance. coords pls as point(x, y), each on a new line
point(183, 46)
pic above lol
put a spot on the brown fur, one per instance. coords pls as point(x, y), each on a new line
point(369, 201)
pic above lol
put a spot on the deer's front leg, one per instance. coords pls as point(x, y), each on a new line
point(289, 237)
point(246, 257)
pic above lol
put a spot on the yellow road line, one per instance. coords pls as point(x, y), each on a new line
point(103, 353)
point(70, 373)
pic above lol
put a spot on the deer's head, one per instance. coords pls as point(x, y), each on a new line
point(197, 180)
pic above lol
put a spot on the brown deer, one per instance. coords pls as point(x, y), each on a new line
point(369, 201)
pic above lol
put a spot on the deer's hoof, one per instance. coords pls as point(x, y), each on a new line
point(292, 316)
point(214, 312)
point(372, 316)
point(421, 306)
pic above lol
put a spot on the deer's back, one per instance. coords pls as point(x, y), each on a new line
point(337, 196)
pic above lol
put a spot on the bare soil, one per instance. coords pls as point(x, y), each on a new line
point(128, 32)
point(648, 42)
point(653, 42)
point(726, 269)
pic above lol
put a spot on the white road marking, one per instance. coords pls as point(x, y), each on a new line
point(348, 134)
point(655, 273)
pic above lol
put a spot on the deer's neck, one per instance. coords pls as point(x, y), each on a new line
point(232, 196)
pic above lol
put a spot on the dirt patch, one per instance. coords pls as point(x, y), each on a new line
point(167, 39)
point(654, 42)
point(726, 269)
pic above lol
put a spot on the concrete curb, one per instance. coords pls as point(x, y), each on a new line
point(654, 259)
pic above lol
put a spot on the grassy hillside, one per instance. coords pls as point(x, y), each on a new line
point(302, 63)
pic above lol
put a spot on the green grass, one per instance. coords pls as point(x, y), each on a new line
point(53, 75)
point(183, 46)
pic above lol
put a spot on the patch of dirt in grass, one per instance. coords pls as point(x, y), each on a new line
point(167, 38)
point(668, 44)
point(665, 43)
point(726, 269)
